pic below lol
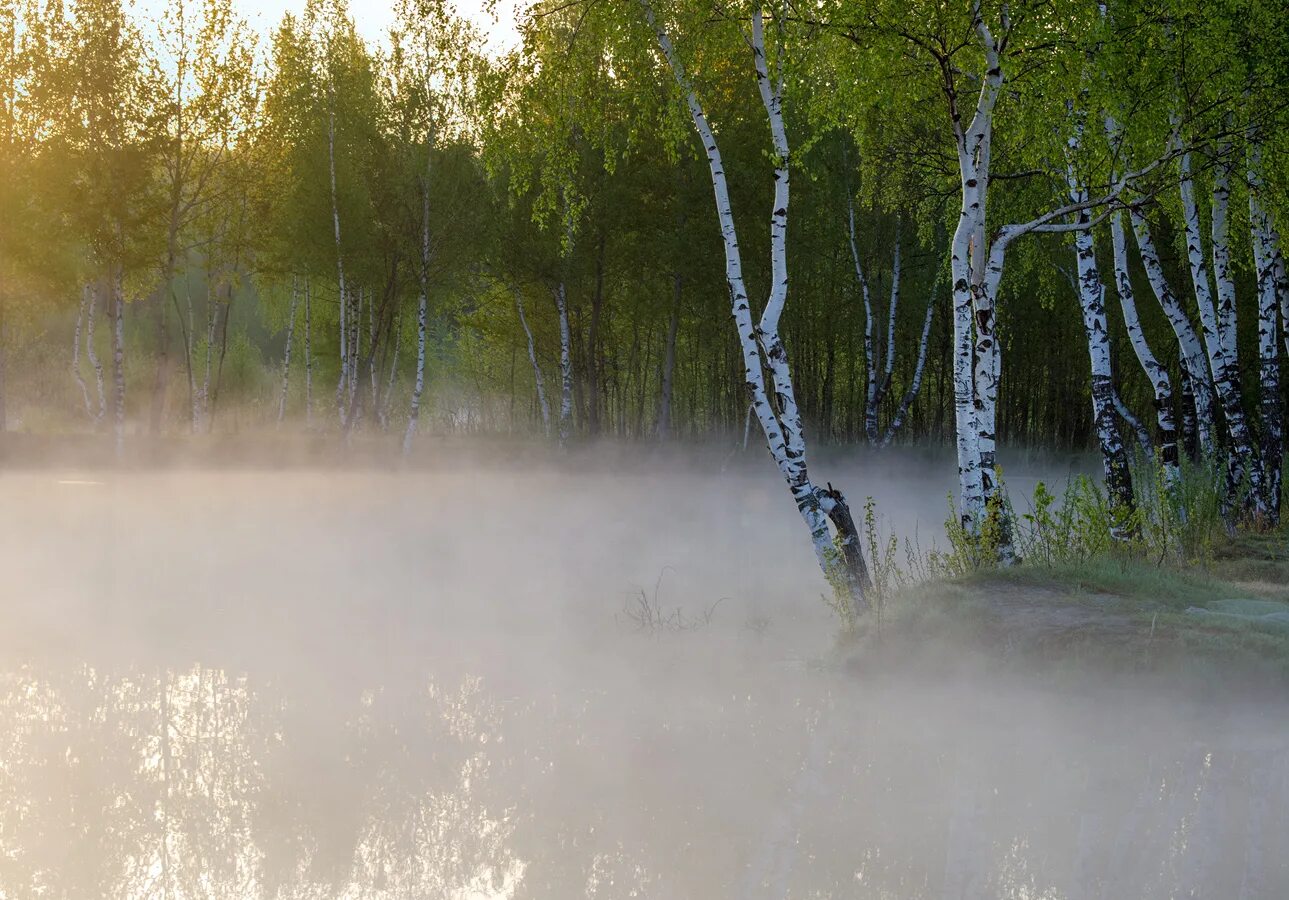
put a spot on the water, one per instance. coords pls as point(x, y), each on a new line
point(437, 684)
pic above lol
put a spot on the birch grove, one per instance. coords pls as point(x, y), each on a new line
point(234, 197)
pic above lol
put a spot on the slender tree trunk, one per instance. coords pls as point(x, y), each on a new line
point(340, 264)
point(1273, 293)
point(1138, 429)
point(343, 380)
point(76, 353)
point(387, 397)
point(669, 361)
point(190, 339)
point(870, 350)
point(1190, 349)
point(118, 359)
point(212, 312)
point(1190, 425)
point(890, 323)
point(423, 307)
point(897, 421)
point(157, 407)
point(1228, 391)
point(308, 355)
point(761, 346)
point(371, 351)
point(1233, 407)
point(223, 352)
point(92, 356)
point(1158, 375)
point(537, 369)
point(593, 388)
point(1114, 456)
point(286, 354)
point(565, 367)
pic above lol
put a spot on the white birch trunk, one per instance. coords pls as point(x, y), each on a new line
point(870, 358)
point(340, 264)
point(286, 355)
point(423, 302)
point(970, 417)
point(1191, 350)
point(342, 381)
point(540, 381)
point(1114, 455)
point(565, 367)
point(760, 344)
point(1221, 365)
point(915, 385)
point(92, 356)
point(76, 354)
point(418, 386)
point(1138, 429)
point(1273, 295)
point(1158, 375)
point(889, 355)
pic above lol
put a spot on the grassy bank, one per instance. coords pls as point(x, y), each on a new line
point(1220, 620)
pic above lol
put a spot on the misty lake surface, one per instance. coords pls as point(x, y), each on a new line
point(358, 684)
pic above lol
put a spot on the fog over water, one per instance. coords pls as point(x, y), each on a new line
point(378, 683)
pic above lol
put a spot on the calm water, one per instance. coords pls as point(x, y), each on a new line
point(436, 685)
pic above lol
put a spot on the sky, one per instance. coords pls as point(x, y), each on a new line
point(373, 17)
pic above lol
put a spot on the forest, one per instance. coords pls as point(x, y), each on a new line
point(995, 290)
point(205, 228)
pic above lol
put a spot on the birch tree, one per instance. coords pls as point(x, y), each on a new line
point(761, 346)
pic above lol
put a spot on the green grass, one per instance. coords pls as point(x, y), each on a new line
point(1106, 615)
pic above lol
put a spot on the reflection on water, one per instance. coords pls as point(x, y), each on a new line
point(203, 784)
point(326, 685)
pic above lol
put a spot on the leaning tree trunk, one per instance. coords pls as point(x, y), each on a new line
point(286, 354)
point(1114, 455)
point(1135, 424)
point(1273, 293)
point(760, 344)
point(1194, 363)
point(540, 381)
point(1158, 375)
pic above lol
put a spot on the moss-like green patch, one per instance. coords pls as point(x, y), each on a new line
point(1226, 621)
